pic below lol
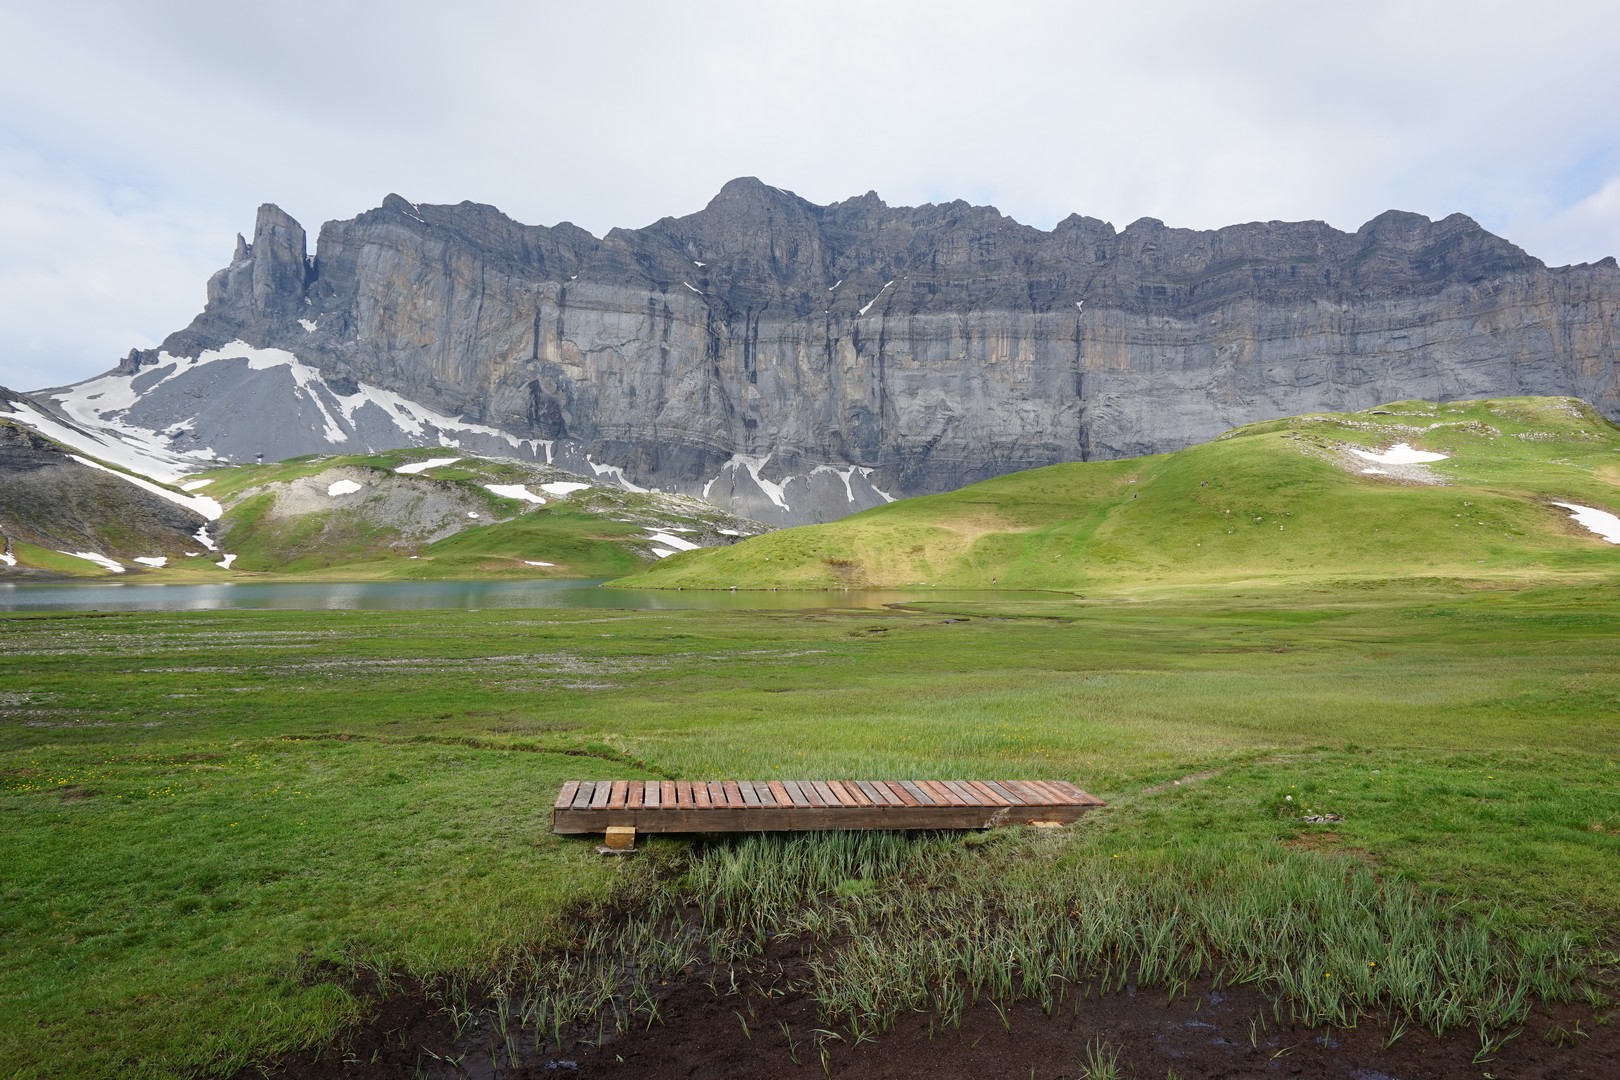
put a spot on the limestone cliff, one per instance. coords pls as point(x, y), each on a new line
point(855, 349)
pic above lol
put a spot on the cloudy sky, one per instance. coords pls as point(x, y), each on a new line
point(136, 139)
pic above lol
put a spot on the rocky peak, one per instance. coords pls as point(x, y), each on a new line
point(281, 265)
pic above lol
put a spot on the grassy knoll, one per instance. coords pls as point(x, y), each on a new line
point(213, 821)
point(1279, 501)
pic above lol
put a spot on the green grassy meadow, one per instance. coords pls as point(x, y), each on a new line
point(1283, 501)
point(221, 828)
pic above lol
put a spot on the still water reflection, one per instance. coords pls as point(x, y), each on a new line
point(406, 595)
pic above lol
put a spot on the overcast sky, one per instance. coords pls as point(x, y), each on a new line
point(137, 139)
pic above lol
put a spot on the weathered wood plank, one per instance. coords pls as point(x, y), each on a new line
point(1001, 790)
point(923, 798)
point(899, 790)
point(620, 789)
point(651, 794)
point(582, 794)
point(848, 794)
point(794, 794)
point(980, 790)
point(750, 797)
point(565, 797)
point(733, 793)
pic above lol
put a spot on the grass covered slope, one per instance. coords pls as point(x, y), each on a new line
point(1288, 498)
point(359, 516)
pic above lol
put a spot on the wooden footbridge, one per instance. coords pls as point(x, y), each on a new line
point(621, 808)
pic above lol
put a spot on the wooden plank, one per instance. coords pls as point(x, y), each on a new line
point(717, 793)
point(1026, 797)
point(795, 796)
point(970, 794)
point(582, 794)
point(923, 798)
point(877, 793)
point(700, 794)
point(1057, 794)
point(808, 787)
point(942, 793)
point(900, 791)
point(1007, 796)
point(848, 794)
point(1046, 797)
point(621, 788)
point(599, 797)
point(767, 797)
point(825, 793)
point(565, 797)
point(651, 794)
point(733, 793)
point(779, 793)
point(750, 797)
point(632, 794)
point(666, 795)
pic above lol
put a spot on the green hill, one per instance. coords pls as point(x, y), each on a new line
point(462, 516)
point(1285, 500)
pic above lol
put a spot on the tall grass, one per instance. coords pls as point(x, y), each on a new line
point(890, 924)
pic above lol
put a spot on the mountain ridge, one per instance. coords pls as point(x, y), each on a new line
point(794, 362)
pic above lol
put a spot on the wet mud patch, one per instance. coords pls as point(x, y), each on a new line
point(768, 1030)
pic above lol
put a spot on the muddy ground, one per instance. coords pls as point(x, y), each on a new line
point(1229, 1034)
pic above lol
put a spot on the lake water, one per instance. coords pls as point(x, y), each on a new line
point(465, 595)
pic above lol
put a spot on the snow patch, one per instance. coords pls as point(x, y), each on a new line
point(616, 472)
point(117, 568)
point(699, 266)
point(1399, 454)
point(472, 514)
point(675, 542)
point(343, 487)
point(197, 504)
point(1375, 471)
point(694, 288)
point(156, 562)
point(202, 537)
point(563, 487)
point(225, 563)
point(866, 474)
point(775, 492)
point(846, 475)
point(193, 485)
point(1602, 522)
point(532, 562)
point(129, 448)
point(423, 466)
point(308, 325)
point(8, 558)
point(728, 532)
point(662, 553)
point(515, 491)
point(874, 299)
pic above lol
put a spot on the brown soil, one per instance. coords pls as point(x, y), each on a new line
point(1230, 1034)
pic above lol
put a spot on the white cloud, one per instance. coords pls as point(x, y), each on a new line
point(135, 150)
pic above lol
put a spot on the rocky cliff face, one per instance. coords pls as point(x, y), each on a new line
point(795, 362)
